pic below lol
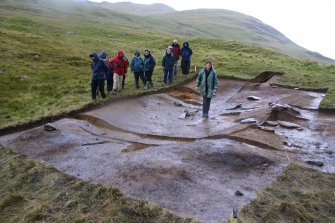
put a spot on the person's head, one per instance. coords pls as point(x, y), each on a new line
point(146, 52)
point(103, 54)
point(208, 65)
point(185, 44)
point(137, 53)
point(175, 41)
point(169, 50)
point(94, 56)
point(120, 53)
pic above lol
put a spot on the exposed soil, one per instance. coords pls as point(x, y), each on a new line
point(191, 166)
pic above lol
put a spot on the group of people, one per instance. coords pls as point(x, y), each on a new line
point(114, 71)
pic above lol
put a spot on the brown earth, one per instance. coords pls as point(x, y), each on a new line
point(192, 166)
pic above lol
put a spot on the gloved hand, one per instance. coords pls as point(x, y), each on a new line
point(214, 92)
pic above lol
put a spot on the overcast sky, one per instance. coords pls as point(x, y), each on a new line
point(309, 23)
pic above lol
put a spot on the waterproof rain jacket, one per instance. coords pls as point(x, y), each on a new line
point(207, 85)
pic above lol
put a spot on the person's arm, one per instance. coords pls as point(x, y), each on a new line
point(216, 82)
point(132, 65)
point(191, 52)
point(199, 79)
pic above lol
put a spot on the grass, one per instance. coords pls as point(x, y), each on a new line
point(33, 192)
point(300, 194)
point(51, 47)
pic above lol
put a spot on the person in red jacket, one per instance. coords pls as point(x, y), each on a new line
point(176, 54)
point(119, 66)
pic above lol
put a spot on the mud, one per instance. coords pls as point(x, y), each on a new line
point(193, 166)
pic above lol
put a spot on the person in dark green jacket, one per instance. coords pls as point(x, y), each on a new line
point(207, 82)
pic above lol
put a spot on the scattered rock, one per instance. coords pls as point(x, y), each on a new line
point(274, 86)
point(23, 77)
point(49, 127)
point(289, 125)
point(257, 85)
point(187, 113)
point(287, 144)
point(177, 104)
point(267, 129)
point(296, 88)
point(271, 123)
point(328, 152)
point(239, 106)
point(253, 98)
point(70, 33)
point(238, 193)
point(36, 56)
point(249, 121)
point(182, 116)
point(315, 163)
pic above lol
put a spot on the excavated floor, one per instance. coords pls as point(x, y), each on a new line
point(159, 148)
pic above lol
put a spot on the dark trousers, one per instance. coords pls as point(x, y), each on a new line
point(206, 103)
point(109, 85)
point(168, 74)
point(137, 76)
point(148, 75)
point(185, 66)
point(98, 84)
point(123, 81)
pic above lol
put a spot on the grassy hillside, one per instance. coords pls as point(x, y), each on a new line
point(230, 25)
point(49, 44)
point(138, 9)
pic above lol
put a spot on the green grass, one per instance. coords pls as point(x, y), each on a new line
point(300, 194)
point(36, 42)
point(33, 192)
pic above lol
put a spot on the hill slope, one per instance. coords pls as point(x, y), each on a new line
point(137, 9)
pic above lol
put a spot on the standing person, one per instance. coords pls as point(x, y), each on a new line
point(176, 54)
point(137, 67)
point(167, 64)
point(208, 82)
point(149, 66)
point(109, 73)
point(186, 53)
point(98, 75)
point(119, 66)
point(126, 71)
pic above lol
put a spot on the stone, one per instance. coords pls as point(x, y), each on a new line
point(249, 121)
point(238, 193)
point(23, 78)
point(267, 129)
point(177, 104)
point(271, 123)
point(253, 98)
point(239, 106)
point(315, 163)
point(289, 125)
point(49, 127)
point(182, 116)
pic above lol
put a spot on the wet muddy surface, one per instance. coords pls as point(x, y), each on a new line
point(159, 148)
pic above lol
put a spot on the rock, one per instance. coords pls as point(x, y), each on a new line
point(70, 33)
point(271, 123)
point(289, 125)
point(315, 163)
point(182, 116)
point(239, 106)
point(267, 129)
point(249, 121)
point(287, 144)
point(238, 193)
point(257, 85)
point(177, 104)
point(49, 127)
point(23, 78)
point(253, 98)
point(296, 88)
point(328, 152)
point(2, 72)
point(274, 86)
point(36, 56)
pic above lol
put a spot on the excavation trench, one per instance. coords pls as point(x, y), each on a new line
point(159, 148)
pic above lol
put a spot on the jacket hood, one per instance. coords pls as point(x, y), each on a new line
point(120, 53)
point(103, 54)
point(95, 55)
point(137, 53)
point(186, 43)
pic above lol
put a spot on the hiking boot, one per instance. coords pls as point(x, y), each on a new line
point(151, 84)
point(114, 92)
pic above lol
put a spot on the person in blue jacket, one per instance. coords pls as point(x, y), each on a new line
point(208, 83)
point(186, 53)
point(99, 70)
point(167, 64)
point(149, 66)
point(137, 67)
point(109, 73)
